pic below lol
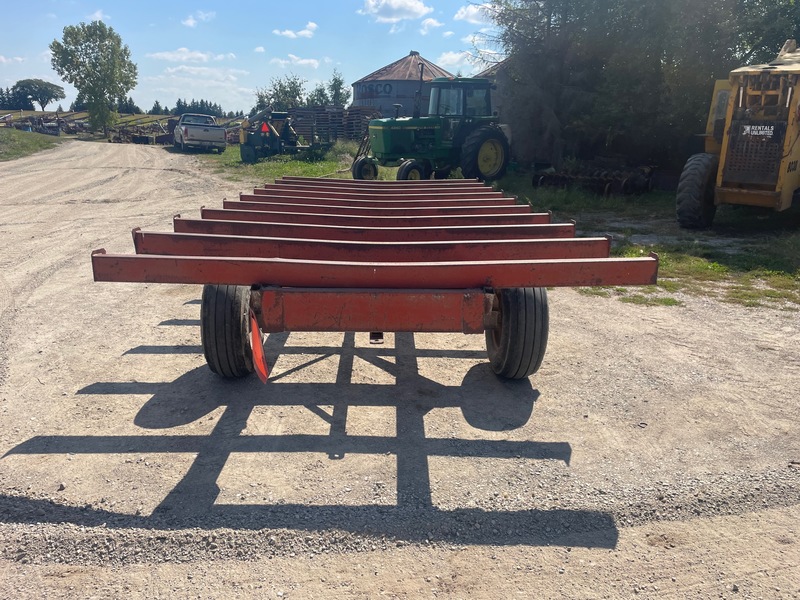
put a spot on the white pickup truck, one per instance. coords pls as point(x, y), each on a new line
point(199, 131)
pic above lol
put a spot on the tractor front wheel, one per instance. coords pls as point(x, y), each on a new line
point(225, 328)
point(364, 168)
point(485, 154)
point(694, 202)
point(518, 340)
point(411, 169)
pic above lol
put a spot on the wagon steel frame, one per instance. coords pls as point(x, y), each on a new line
point(338, 255)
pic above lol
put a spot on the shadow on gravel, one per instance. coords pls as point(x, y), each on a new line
point(486, 402)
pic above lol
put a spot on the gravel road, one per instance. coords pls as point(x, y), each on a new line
point(655, 454)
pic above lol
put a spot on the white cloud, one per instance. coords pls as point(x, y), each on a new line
point(453, 61)
point(98, 15)
point(479, 38)
point(295, 61)
point(259, 49)
point(207, 73)
point(308, 32)
point(397, 28)
point(428, 25)
point(448, 34)
point(477, 14)
point(186, 55)
point(12, 59)
point(197, 17)
point(394, 11)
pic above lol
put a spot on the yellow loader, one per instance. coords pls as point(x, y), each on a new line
point(751, 143)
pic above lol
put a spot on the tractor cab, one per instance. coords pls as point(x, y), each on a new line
point(460, 131)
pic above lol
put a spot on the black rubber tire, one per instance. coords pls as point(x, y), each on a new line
point(694, 202)
point(517, 346)
point(364, 168)
point(411, 169)
point(485, 141)
point(225, 329)
point(248, 154)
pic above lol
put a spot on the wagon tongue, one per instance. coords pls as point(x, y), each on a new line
point(259, 360)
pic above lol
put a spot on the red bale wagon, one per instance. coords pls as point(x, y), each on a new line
point(306, 254)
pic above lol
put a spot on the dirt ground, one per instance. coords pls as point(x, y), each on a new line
point(655, 454)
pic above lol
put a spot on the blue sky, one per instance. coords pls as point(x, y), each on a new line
point(223, 51)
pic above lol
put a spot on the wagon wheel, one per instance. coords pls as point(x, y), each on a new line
point(224, 330)
point(517, 344)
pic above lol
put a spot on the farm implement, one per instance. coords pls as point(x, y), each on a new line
point(304, 254)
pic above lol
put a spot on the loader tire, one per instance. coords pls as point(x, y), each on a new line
point(694, 202)
point(485, 154)
point(225, 328)
point(516, 346)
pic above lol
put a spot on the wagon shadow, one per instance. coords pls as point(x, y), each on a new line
point(486, 403)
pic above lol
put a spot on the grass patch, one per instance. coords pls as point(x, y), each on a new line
point(16, 144)
point(750, 257)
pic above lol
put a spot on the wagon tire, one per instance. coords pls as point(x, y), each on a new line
point(485, 154)
point(225, 329)
point(694, 202)
point(516, 346)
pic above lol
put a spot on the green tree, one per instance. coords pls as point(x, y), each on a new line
point(93, 58)
point(40, 91)
point(282, 94)
point(338, 90)
point(157, 109)
point(318, 96)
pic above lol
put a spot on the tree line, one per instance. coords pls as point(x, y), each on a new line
point(626, 77)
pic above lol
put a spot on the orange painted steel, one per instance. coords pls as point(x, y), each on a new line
point(300, 309)
point(267, 216)
point(408, 201)
point(343, 209)
point(373, 234)
point(186, 244)
point(343, 255)
point(387, 195)
point(341, 274)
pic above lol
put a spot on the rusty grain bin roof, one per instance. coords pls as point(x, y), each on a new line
point(406, 69)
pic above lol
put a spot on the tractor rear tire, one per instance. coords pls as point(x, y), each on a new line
point(411, 169)
point(364, 168)
point(516, 346)
point(485, 154)
point(694, 202)
point(248, 154)
point(225, 329)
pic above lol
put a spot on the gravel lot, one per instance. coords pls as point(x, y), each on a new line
point(656, 453)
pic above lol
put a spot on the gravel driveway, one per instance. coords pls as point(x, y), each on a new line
point(655, 454)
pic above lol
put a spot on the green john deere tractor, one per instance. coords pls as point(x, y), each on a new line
point(459, 131)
